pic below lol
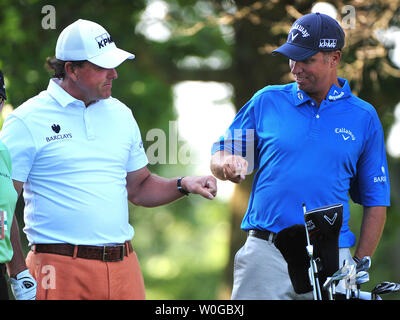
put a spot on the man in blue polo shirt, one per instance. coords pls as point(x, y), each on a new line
point(311, 141)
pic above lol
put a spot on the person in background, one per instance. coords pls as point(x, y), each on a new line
point(22, 283)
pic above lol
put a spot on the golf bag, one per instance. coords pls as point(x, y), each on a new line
point(323, 225)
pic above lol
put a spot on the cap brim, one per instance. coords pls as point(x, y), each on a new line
point(111, 59)
point(294, 52)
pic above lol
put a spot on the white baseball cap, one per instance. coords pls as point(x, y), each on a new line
point(87, 40)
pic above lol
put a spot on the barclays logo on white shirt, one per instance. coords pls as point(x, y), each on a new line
point(56, 128)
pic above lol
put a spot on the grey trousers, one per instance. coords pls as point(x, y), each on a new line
point(260, 273)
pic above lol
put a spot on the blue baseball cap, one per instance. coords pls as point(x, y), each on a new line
point(310, 34)
point(2, 86)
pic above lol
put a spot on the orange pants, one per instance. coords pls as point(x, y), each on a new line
point(67, 278)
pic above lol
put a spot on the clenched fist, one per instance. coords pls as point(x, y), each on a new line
point(230, 167)
point(205, 186)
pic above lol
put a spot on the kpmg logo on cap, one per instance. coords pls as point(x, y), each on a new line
point(103, 40)
point(327, 43)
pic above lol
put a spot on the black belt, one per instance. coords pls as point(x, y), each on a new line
point(262, 234)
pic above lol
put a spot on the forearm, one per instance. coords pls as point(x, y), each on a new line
point(23, 285)
point(17, 263)
point(155, 191)
point(372, 225)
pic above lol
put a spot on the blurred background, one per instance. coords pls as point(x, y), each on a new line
point(197, 62)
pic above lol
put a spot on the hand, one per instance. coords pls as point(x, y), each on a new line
point(205, 186)
point(24, 286)
point(234, 168)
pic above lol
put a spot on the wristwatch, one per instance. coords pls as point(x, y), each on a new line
point(179, 186)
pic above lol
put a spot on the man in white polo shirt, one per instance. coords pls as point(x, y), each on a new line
point(77, 153)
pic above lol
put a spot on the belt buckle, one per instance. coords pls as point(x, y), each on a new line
point(121, 257)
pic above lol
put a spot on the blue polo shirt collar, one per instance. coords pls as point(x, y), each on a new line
point(60, 95)
point(299, 96)
point(335, 93)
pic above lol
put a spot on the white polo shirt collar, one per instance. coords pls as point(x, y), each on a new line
point(60, 95)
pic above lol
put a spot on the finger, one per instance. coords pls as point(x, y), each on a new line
point(238, 165)
point(245, 165)
point(242, 170)
point(224, 173)
point(235, 179)
point(239, 178)
point(240, 174)
point(234, 171)
point(205, 193)
point(211, 185)
point(229, 172)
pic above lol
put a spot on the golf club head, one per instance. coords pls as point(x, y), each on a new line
point(342, 273)
point(364, 264)
point(386, 287)
point(328, 283)
point(362, 277)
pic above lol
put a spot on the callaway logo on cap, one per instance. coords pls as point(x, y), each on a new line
point(87, 40)
point(310, 34)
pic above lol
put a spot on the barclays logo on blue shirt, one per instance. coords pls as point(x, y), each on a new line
point(381, 178)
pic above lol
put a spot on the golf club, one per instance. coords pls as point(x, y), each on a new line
point(364, 264)
point(384, 288)
point(313, 271)
point(361, 278)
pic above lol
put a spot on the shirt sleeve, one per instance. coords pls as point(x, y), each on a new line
point(137, 157)
point(19, 141)
point(5, 156)
point(371, 185)
point(240, 138)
